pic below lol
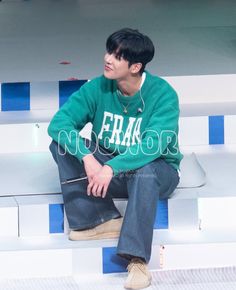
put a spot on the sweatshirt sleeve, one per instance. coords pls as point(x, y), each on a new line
point(161, 131)
point(66, 124)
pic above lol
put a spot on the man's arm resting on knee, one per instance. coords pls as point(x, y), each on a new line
point(99, 176)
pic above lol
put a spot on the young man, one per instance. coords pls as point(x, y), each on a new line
point(133, 151)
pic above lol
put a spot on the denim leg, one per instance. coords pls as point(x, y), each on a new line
point(82, 211)
point(156, 180)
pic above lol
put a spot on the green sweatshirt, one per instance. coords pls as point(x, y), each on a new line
point(135, 138)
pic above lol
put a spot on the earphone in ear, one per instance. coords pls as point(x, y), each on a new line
point(140, 110)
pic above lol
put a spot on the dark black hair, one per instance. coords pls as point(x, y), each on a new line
point(131, 45)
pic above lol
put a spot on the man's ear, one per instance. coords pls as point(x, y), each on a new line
point(136, 67)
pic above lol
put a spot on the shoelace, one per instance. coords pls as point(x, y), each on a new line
point(137, 263)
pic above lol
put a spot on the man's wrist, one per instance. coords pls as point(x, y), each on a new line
point(87, 157)
point(109, 168)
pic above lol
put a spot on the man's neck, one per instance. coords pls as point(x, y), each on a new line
point(130, 86)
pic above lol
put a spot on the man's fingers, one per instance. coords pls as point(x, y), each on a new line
point(104, 192)
point(89, 187)
point(99, 190)
point(94, 189)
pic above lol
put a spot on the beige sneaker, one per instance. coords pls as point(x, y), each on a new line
point(138, 275)
point(108, 230)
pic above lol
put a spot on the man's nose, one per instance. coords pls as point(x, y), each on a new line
point(108, 58)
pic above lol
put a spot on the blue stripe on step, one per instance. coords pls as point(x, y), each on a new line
point(56, 218)
point(161, 221)
point(15, 96)
point(111, 262)
point(67, 88)
point(216, 129)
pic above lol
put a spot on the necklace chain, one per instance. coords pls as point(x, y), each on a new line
point(125, 108)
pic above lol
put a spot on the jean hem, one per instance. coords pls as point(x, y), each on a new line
point(123, 253)
point(95, 223)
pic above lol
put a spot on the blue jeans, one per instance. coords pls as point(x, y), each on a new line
point(143, 188)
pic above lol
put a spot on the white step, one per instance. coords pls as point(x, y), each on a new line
point(57, 256)
point(8, 217)
point(191, 279)
point(42, 215)
point(184, 279)
point(193, 131)
point(186, 256)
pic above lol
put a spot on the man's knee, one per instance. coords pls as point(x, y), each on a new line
point(53, 146)
point(146, 171)
point(143, 179)
point(56, 150)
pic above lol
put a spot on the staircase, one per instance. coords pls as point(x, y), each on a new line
point(194, 229)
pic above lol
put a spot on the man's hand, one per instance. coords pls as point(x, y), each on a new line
point(91, 166)
point(99, 184)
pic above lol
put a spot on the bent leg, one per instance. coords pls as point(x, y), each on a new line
point(82, 211)
point(145, 187)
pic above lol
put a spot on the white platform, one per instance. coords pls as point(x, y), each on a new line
point(191, 279)
point(186, 110)
point(57, 256)
point(8, 217)
point(36, 173)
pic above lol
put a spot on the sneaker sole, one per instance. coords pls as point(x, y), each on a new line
point(137, 287)
point(112, 235)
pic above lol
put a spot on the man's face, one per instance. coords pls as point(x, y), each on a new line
point(115, 68)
